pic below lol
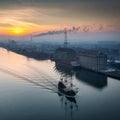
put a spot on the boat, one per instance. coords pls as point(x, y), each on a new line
point(66, 88)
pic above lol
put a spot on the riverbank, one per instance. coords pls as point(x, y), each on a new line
point(44, 56)
point(114, 74)
point(31, 54)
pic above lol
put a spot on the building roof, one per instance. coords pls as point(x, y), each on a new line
point(65, 50)
point(91, 52)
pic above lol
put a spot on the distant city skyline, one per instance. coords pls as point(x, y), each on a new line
point(27, 16)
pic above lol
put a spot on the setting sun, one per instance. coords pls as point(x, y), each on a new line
point(17, 30)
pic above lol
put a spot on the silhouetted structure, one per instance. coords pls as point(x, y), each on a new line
point(65, 56)
point(94, 79)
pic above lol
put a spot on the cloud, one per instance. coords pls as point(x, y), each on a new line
point(83, 13)
point(76, 7)
point(5, 25)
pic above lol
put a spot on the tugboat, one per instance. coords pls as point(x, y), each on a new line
point(66, 89)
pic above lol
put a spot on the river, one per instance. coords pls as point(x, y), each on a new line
point(28, 91)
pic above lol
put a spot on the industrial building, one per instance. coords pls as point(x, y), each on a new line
point(65, 55)
point(92, 60)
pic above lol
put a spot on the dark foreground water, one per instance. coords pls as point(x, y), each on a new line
point(28, 91)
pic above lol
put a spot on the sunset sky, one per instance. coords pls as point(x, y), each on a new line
point(27, 16)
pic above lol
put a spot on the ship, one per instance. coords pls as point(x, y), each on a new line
point(66, 87)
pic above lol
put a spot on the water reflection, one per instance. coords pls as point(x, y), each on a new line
point(19, 100)
point(91, 78)
point(69, 104)
point(64, 70)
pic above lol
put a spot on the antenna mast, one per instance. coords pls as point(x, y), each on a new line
point(65, 40)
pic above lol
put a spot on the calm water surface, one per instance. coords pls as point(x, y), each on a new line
point(28, 91)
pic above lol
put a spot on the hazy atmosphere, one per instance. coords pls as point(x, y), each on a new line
point(59, 59)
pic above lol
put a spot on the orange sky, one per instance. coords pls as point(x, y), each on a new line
point(27, 16)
